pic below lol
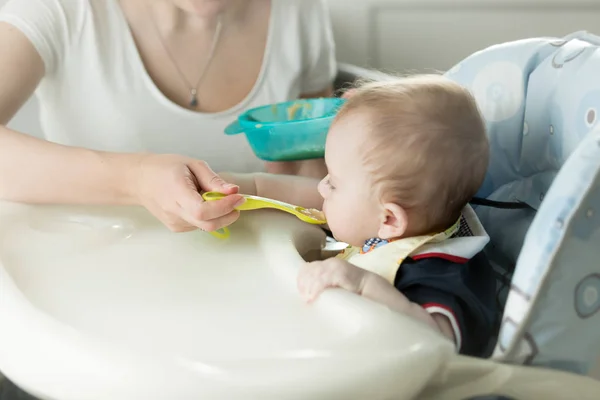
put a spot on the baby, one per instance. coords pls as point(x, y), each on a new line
point(404, 158)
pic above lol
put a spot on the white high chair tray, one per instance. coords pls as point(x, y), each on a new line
point(105, 303)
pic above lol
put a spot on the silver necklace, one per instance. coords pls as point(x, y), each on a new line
point(192, 88)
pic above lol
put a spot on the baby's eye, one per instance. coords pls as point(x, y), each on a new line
point(328, 183)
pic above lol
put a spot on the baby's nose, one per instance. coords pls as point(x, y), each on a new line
point(321, 188)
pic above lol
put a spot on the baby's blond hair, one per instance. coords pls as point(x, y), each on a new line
point(427, 150)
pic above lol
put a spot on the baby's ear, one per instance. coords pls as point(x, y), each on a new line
point(394, 222)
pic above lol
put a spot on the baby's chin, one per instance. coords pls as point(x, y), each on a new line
point(335, 235)
point(343, 239)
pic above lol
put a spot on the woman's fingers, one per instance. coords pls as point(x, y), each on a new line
point(172, 221)
point(209, 180)
point(170, 189)
point(221, 222)
point(199, 212)
point(212, 215)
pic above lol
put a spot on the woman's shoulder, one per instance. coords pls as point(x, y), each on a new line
point(57, 12)
point(53, 26)
point(54, 17)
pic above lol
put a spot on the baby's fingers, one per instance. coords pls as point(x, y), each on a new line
point(304, 281)
point(312, 280)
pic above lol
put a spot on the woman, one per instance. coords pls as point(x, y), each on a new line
point(134, 93)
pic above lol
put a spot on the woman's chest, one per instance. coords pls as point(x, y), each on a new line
point(132, 118)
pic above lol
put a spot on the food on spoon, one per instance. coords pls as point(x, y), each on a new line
point(313, 213)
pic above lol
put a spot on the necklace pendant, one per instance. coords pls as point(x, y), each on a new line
point(194, 99)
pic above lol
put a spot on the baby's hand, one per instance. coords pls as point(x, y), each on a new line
point(317, 276)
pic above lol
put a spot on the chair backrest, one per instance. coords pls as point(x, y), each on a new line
point(541, 101)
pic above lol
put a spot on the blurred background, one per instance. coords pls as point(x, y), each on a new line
point(428, 35)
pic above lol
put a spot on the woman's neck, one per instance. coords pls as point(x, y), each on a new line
point(171, 18)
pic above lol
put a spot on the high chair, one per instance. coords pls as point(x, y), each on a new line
point(541, 102)
point(105, 303)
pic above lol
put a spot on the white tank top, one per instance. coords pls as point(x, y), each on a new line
point(97, 93)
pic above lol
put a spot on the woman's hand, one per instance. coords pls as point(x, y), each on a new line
point(169, 187)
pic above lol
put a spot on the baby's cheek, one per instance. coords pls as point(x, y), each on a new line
point(331, 217)
point(341, 226)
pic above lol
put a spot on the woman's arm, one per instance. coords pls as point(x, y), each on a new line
point(36, 171)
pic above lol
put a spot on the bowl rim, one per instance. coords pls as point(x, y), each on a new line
point(245, 122)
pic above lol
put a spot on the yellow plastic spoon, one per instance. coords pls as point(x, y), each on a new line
point(308, 215)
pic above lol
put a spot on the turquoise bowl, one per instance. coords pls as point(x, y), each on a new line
point(290, 131)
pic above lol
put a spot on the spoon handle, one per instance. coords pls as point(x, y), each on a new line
point(257, 202)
